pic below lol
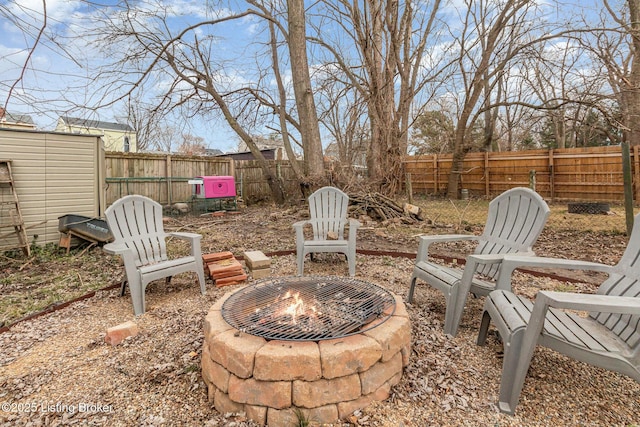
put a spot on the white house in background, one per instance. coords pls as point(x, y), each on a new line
point(16, 121)
point(116, 136)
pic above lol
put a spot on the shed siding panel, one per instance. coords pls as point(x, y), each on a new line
point(55, 174)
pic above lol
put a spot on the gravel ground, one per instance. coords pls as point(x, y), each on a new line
point(57, 370)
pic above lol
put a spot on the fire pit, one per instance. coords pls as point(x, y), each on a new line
point(317, 347)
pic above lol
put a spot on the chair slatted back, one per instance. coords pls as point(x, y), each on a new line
point(514, 223)
point(625, 281)
point(328, 210)
point(136, 221)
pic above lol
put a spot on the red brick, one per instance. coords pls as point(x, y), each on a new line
point(286, 361)
point(234, 280)
point(222, 266)
point(216, 256)
point(117, 334)
point(274, 394)
point(227, 273)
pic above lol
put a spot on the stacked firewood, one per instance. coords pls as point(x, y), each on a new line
point(382, 208)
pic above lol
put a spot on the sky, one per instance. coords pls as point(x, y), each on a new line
point(55, 79)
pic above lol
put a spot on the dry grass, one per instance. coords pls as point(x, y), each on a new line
point(153, 379)
point(461, 213)
point(51, 277)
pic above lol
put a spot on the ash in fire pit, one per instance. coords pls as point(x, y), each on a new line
point(307, 308)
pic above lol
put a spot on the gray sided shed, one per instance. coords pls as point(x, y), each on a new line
point(55, 174)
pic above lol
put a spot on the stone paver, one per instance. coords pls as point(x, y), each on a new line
point(348, 355)
point(286, 361)
point(324, 392)
point(274, 394)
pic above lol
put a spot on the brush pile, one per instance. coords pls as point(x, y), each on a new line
point(382, 208)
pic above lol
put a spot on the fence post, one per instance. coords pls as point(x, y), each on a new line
point(628, 190)
point(436, 184)
point(487, 183)
point(532, 180)
point(409, 187)
point(169, 182)
point(636, 170)
point(552, 189)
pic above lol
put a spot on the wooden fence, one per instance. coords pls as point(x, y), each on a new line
point(581, 174)
point(585, 174)
point(164, 177)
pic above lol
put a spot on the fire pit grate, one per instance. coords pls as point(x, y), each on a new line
point(307, 308)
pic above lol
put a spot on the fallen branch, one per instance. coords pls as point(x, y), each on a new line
point(383, 208)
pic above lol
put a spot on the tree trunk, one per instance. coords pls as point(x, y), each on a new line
point(275, 185)
point(282, 106)
point(309, 124)
point(631, 94)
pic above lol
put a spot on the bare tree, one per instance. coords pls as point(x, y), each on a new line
point(343, 113)
point(184, 57)
point(388, 72)
point(309, 129)
point(616, 46)
point(492, 36)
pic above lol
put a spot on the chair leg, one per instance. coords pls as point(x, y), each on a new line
point(351, 260)
point(411, 288)
point(200, 273)
point(300, 258)
point(484, 328)
point(509, 390)
point(137, 297)
point(451, 297)
point(123, 287)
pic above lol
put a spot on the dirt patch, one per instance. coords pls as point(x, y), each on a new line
point(52, 366)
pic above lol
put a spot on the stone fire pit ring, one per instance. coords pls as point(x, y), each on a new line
point(274, 382)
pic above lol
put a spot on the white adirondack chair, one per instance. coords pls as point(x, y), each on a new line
point(608, 338)
point(139, 237)
point(328, 209)
point(514, 222)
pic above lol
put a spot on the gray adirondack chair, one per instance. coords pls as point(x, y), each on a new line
point(514, 222)
point(608, 338)
point(328, 211)
point(139, 237)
